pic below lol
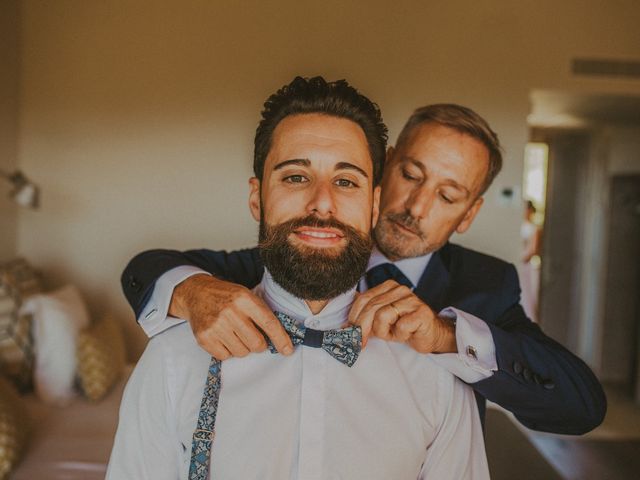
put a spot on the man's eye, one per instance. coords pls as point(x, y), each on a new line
point(295, 179)
point(446, 198)
point(407, 176)
point(343, 182)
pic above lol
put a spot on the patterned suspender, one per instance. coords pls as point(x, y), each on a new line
point(203, 436)
point(343, 344)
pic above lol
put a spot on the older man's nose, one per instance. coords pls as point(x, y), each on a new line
point(419, 203)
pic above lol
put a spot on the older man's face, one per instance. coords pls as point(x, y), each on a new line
point(430, 189)
point(317, 204)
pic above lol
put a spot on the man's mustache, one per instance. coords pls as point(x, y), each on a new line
point(310, 221)
point(406, 220)
point(314, 222)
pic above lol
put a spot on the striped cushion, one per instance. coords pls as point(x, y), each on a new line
point(101, 357)
point(18, 281)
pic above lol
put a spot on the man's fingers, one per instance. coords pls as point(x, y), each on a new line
point(406, 326)
point(367, 306)
point(218, 351)
point(262, 316)
point(368, 297)
point(388, 297)
point(233, 344)
point(384, 318)
point(249, 334)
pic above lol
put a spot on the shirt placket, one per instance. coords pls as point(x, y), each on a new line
point(312, 410)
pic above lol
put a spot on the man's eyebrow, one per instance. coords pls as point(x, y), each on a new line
point(302, 162)
point(450, 181)
point(350, 166)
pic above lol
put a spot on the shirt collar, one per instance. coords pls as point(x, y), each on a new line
point(333, 315)
point(413, 267)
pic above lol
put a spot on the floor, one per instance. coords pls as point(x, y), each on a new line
point(612, 451)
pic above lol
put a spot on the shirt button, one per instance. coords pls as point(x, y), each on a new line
point(549, 385)
point(526, 373)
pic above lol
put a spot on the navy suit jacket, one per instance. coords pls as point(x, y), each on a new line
point(541, 382)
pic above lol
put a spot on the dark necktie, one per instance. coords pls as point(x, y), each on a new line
point(384, 272)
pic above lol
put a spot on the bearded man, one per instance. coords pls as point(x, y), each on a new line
point(327, 410)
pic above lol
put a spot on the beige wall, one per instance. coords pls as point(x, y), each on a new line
point(138, 116)
point(9, 81)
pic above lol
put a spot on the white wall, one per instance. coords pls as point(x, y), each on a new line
point(137, 117)
point(9, 81)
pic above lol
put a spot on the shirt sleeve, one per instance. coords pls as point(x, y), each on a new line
point(476, 357)
point(144, 447)
point(154, 317)
point(458, 451)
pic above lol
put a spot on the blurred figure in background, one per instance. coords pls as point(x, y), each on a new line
point(529, 269)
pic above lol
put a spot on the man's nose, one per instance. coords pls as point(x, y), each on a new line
point(419, 202)
point(322, 202)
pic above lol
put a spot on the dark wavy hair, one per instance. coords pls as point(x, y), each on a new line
point(316, 95)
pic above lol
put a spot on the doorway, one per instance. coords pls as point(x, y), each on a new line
point(621, 335)
point(593, 141)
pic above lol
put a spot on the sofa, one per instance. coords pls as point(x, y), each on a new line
point(71, 442)
point(62, 375)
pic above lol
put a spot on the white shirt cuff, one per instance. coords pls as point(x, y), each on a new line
point(476, 357)
point(154, 317)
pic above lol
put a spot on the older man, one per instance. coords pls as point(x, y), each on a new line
point(462, 306)
point(388, 412)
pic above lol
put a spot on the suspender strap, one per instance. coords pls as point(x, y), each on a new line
point(204, 433)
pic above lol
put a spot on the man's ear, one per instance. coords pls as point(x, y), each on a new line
point(375, 211)
point(390, 153)
point(254, 198)
point(467, 220)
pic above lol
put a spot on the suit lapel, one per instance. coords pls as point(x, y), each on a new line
point(433, 285)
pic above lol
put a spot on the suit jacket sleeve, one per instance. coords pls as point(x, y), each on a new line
point(138, 278)
point(546, 386)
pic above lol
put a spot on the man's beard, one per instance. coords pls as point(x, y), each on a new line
point(314, 273)
point(401, 245)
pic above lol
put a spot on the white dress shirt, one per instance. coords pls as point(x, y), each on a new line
point(395, 414)
point(476, 357)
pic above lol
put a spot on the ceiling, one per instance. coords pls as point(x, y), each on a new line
point(561, 109)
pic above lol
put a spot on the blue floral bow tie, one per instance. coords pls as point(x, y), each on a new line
point(343, 344)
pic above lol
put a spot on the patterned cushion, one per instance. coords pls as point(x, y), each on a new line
point(101, 357)
point(17, 281)
point(13, 429)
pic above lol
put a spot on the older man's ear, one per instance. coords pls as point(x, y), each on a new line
point(468, 218)
point(375, 212)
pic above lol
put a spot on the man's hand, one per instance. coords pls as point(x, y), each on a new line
point(393, 312)
point(225, 316)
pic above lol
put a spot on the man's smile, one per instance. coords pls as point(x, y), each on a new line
point(319, 237)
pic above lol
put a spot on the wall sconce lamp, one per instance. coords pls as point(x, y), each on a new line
point(23, 192)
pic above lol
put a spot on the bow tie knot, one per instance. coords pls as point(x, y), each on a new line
point(343, 344)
